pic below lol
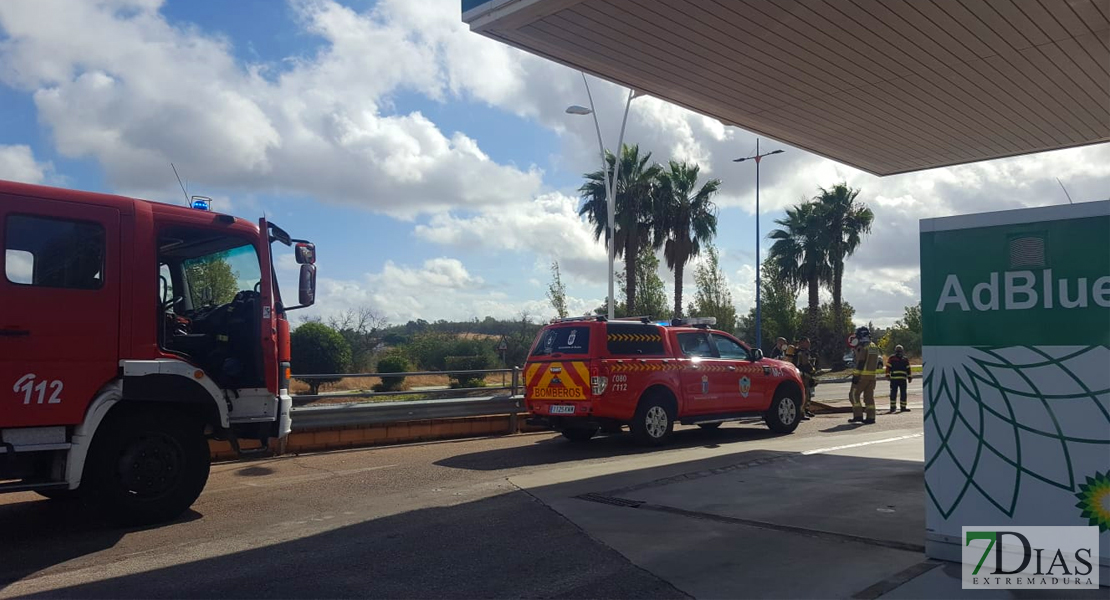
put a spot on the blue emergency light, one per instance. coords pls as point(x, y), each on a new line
point(201, 203)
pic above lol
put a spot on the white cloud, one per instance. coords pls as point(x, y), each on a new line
point(17, 163)
point(548, 226)
point(439, 288)
point(116, 82)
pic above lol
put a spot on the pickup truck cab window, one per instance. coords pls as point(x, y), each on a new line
point(695, 345)
point(728, 348)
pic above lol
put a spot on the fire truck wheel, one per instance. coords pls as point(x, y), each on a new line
point(654, 419)
point(784, 414)
point(146, 466)
point(579, 434)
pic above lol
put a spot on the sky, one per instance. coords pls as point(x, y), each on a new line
point(436, 170)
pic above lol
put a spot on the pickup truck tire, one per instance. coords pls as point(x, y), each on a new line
point(579, 434)
point(146, 466)
point(654, 420)
point(785, 412)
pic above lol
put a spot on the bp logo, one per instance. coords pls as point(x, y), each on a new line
point(1094, 500)
point(745, 386)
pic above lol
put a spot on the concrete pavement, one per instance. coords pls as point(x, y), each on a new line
point(833, 510)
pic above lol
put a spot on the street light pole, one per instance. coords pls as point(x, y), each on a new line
point(757, 157)
point(610, 183)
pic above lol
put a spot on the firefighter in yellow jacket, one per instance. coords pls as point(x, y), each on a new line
point(866, 358)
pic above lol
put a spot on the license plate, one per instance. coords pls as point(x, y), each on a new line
point(562, 409)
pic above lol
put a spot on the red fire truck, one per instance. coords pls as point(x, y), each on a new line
point(586, 374)
point(131, 333)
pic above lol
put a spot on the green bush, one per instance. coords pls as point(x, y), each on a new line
point(317, 348)
point(467, 363)
point(393, 362)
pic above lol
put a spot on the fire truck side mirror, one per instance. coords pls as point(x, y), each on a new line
point(756, 354)
point(307, 286)
point(306, 253)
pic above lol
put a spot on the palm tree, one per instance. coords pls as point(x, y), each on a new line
point(846, 222)
point(632, 215)
point(800, 255)
point(685, 218)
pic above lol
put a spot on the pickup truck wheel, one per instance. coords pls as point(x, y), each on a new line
point(579, 434)
point(654, 421)
point(785, 412)
point(146, 466)
point(709, 426)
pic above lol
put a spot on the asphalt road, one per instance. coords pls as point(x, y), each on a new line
point(421, 520)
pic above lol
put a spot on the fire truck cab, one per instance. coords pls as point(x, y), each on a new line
point(131, 333)
point(588, 374)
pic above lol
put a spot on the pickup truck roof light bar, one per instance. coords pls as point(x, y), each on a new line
point(703, 322)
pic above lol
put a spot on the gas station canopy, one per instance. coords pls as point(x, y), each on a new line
point(887, 86)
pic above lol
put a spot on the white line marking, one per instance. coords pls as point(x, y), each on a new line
point(882, 441)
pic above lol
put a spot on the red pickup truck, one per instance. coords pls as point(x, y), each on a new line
point(589, 374)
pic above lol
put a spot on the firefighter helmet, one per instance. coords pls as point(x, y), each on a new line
point(863, 335)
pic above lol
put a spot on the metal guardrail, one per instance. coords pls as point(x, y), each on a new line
point(338, 415)
point(513, 388)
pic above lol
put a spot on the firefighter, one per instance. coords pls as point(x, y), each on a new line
point(804, 360)
point(898, 369)
point(779, 351)
point(866, 357)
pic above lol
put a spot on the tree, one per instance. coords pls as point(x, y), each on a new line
point(362, 328)
point(211, 280)
point(685, 218)
point(905, 332)
point(317, 348)
point(713, 298)
point(846, 221)
point(651, 300)
point(831, 338)
point(651, 296)
point(800, 256)
point(557, 292)
point(780, 314)
point(632, 213)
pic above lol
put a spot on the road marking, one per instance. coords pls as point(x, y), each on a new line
point(857, 445)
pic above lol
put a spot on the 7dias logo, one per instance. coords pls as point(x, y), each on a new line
point(1030, 557)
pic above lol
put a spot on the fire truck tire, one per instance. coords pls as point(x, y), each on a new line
point(60, 495)
point(785, 412)
point(654, 420)
point(146, 466)
point(579, 434)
